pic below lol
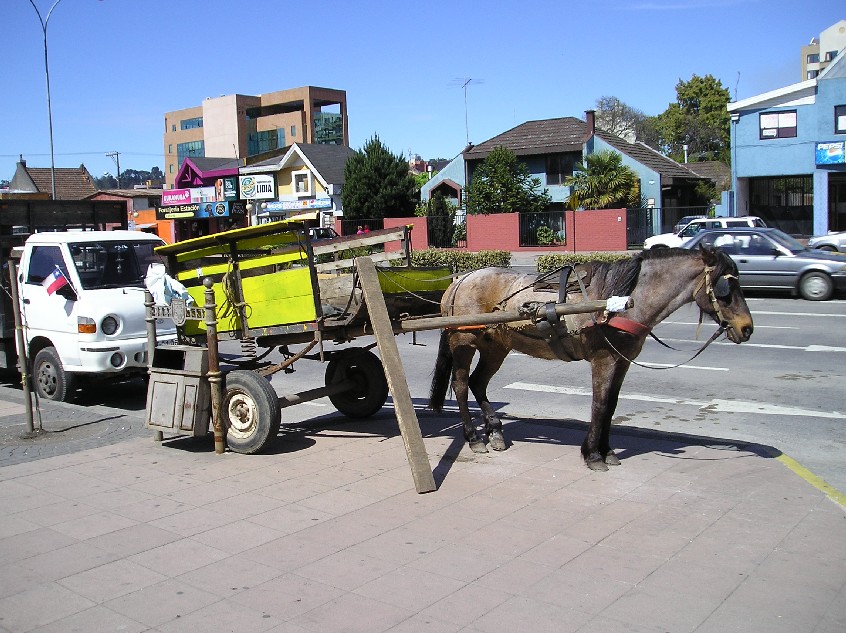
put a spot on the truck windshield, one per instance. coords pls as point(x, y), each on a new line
point(113, 264)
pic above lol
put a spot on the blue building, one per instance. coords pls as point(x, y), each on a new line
point(788, 158)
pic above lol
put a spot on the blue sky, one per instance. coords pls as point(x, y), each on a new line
point(116, 66)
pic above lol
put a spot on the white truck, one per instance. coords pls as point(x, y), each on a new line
point(81, 297)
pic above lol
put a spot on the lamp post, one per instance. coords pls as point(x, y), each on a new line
point(44, 22)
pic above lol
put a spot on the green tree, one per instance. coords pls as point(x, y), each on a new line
point(377, 184)
point(502, 184)
point(441, 219)
point(627, 122)
point(603, 182)
point(698, 119)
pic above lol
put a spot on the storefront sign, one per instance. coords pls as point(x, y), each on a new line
point(309, 203)
point(833, 153)
point(256, 187)
point(230, 188)
point(173, 197)
point(194, 210)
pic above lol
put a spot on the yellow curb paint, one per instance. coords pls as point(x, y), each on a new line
point(817, 482)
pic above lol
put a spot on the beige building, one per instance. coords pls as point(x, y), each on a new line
point(823, 49)
point(240, 126)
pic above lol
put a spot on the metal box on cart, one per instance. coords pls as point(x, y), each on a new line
point(178, 396)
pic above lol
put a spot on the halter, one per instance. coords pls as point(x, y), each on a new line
point(721, 287)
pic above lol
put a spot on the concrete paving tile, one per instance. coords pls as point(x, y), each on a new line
point(116, 498)
point(606, 520)
point(168, 484)
point(339, 501)
point(573, 590)
point(67, 561)
point(162, 602)
point(399, 545)
point(221, 617)
point(244, 505)
point(295, 489)
point(609, 625)
point(461, 562)
point(16, 578)
point(191, 522)
point(287, 627)
point(14, 524)
point(110, 580)
point(501, 538)
point(93, 525)
point(422, 623)
point(521, 613)
point(514, 576)
point(287, 596)
point(97, 618)
point(229, 576)
point(31, 498)
point(345, 570)
point(178, 557)
point(448, 524)
point(343, 616)
point(466, 605)
point(556, 551)
point(133, 539)
point(605, 563)
point(239, 536)
point(669, 610)
point(21, 546)
point(64, 510)
point(410, 588)
point(68, 484)
point(206, 493)
point(40, 605)
point(151, 509)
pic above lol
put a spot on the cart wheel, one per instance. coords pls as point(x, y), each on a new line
point(250, 411)
point(370, 391)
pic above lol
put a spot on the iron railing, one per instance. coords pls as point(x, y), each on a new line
point(546, 228)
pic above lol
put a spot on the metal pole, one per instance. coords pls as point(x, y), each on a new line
point(44, 22)
point(152, 342)
point(214, 373)
point(19, 341)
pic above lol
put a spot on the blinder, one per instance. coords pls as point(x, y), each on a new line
point(722, 289)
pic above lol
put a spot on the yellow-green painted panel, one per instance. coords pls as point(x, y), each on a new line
point(398, 280)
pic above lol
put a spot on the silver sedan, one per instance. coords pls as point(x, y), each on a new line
point(835, 241)
point(769, 259)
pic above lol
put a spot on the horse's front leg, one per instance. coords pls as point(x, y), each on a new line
point(462, 358)
point(608, 374)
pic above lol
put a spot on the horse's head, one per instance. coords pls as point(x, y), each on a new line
point(719, 295)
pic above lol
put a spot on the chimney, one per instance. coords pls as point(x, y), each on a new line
point(590, 119)
point(22, 161)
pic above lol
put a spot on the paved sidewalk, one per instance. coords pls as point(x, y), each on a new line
point(325, 534)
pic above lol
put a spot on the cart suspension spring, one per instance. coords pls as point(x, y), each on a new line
point(248, 347)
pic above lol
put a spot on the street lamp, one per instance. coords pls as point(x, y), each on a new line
point(44, 22)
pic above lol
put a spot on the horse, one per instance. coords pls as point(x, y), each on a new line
point(658, 281)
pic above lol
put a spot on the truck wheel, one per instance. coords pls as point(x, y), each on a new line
point(370, 391)
point(816, 287)
point(250, 411)
point(49, 379)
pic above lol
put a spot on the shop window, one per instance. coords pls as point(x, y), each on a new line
point(777, 124)
point(840, 119)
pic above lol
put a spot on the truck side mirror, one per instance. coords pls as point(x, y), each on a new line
point(67, 292)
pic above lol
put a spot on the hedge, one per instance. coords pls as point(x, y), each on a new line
point(460, 261)
point(554, 261)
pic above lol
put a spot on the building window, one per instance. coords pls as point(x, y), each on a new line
point(170, 168)
point(813, 58)
point(173, 128)
point(830, 55)
point(191, 149)
point(293, 131)
point(811, 74)
point(840, 119)
point(170, 148)
point(560, 166)
point(777, 124)
point(190, 124)
point(302, 183)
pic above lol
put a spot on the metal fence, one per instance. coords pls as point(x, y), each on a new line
point(352, 227)
point(447, 231)
point(546, 228)
point(640, 222)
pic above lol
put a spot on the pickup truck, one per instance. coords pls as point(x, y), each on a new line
point(81, 297)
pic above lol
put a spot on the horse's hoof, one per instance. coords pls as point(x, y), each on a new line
point(611, 459)
point(596, 464)
point(497, 442)
point(478, 447)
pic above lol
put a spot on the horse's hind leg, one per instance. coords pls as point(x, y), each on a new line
point(490, 360)
point(462, 358)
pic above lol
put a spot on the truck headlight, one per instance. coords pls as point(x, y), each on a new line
point(109, 325)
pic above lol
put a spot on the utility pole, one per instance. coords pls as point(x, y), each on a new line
point(115, 156)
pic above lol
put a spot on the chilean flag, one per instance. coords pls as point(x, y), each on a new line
point(54, 281)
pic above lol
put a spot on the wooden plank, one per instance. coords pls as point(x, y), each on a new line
point(354, 241)
point(327, 267)
point(409, 426)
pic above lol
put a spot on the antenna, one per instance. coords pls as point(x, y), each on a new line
point(464, 82)
point(735, 85)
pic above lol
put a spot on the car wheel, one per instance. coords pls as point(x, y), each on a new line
point(826, 247)
point(49, 379)
point(816, 286)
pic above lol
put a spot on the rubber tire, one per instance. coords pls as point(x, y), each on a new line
point(371, 390)
point(816, 286)
point(250, 411)
point(49, 379)
point(827, 248)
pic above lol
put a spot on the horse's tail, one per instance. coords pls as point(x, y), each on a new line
point(441, 374)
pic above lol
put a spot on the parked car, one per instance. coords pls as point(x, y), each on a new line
point(770, 259)
point(669, 240)
point(834, 241)
point(685, 221)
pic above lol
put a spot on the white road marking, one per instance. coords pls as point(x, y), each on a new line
point(803, 314)
point(715, 405)
point(757, 327)
point(800, 348)
point(684, 366)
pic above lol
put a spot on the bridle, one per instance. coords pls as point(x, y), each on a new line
point(719, 290)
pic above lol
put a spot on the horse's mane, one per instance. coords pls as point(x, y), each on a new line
point(620, 278)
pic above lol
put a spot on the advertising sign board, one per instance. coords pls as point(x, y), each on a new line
point(833, 153)
point(259, 187)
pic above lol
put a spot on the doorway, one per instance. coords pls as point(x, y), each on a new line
point(837, 202)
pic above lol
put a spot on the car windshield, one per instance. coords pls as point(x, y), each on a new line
point(783, 239)
point(691, 229)
point(113, 264)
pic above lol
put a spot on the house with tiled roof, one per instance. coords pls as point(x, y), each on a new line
point(308, 179)
point(141, 210)
point(551, 148)
point(72, 183)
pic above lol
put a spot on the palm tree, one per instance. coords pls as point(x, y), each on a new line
point(603, 182)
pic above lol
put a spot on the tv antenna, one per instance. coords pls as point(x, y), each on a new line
point(464, 82)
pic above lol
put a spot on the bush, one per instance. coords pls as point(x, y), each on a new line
point(554, 261)
point(545, 236)
point(460, 261)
